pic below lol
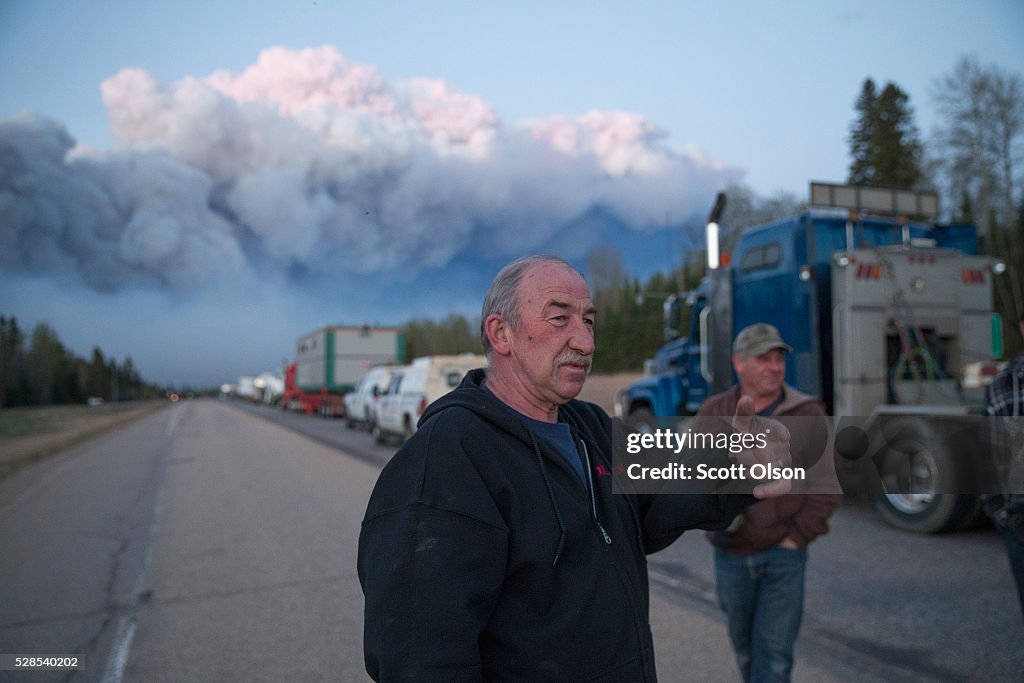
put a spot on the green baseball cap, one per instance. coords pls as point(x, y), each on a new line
point(756, 339)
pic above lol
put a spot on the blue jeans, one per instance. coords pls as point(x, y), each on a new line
point(763, 599)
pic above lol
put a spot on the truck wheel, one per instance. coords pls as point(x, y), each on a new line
point(914, 468)
point(378, 434)
point(928, 513)
point(642, 420)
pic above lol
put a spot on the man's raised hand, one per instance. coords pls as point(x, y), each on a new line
point(775, 454)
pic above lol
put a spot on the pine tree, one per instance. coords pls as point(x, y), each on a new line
point(45, 359)
point(899, 145)
point(12, 363)
point(98, 382)
point(885, 146)
point(862, 135)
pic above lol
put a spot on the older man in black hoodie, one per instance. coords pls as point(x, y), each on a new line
point(493, 547)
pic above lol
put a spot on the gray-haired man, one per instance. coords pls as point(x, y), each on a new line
point(493, 547)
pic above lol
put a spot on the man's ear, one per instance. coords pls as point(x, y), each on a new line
point(498, 333)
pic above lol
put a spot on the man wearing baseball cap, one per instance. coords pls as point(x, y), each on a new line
point(760, 559)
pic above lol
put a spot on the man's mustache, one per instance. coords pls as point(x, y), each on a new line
point(570, 357)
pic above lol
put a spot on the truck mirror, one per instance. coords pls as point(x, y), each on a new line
point(672, 312)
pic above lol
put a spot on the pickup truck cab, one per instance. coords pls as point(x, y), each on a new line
point(416, 386)
point(361, 403)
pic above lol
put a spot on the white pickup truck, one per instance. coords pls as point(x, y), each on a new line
point(361, 402)
point(416, 386)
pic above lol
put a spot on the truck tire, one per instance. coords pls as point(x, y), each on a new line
point(914, 468)
point(642, 420)
point(932, 515)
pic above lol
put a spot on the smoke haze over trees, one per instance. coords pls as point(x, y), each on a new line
point(239, 210)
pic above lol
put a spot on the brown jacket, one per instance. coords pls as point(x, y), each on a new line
point(801, 517)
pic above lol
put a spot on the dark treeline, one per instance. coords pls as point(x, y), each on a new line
point(40, 371)
point(453, 334)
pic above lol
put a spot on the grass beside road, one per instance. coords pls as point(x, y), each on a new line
point(28, 435)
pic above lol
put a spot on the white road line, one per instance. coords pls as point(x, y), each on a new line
point(173, 419)
point(114, 671)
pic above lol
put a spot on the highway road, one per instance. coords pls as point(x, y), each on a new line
point(216, 541)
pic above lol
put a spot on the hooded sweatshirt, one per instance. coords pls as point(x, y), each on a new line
point(484, 556)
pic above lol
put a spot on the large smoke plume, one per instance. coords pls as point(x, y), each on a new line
point(307, 163)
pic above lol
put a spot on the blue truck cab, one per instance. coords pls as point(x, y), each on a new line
point(780, 274)
point(884, 316)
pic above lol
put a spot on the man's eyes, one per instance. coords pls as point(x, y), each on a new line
point(563, 319)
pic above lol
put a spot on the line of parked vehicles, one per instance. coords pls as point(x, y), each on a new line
point(390, 399)
point(360, 373)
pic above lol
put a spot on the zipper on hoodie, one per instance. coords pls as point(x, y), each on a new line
point(593, 498)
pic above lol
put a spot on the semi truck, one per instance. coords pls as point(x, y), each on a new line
point(889, 314)
point(330, 361)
